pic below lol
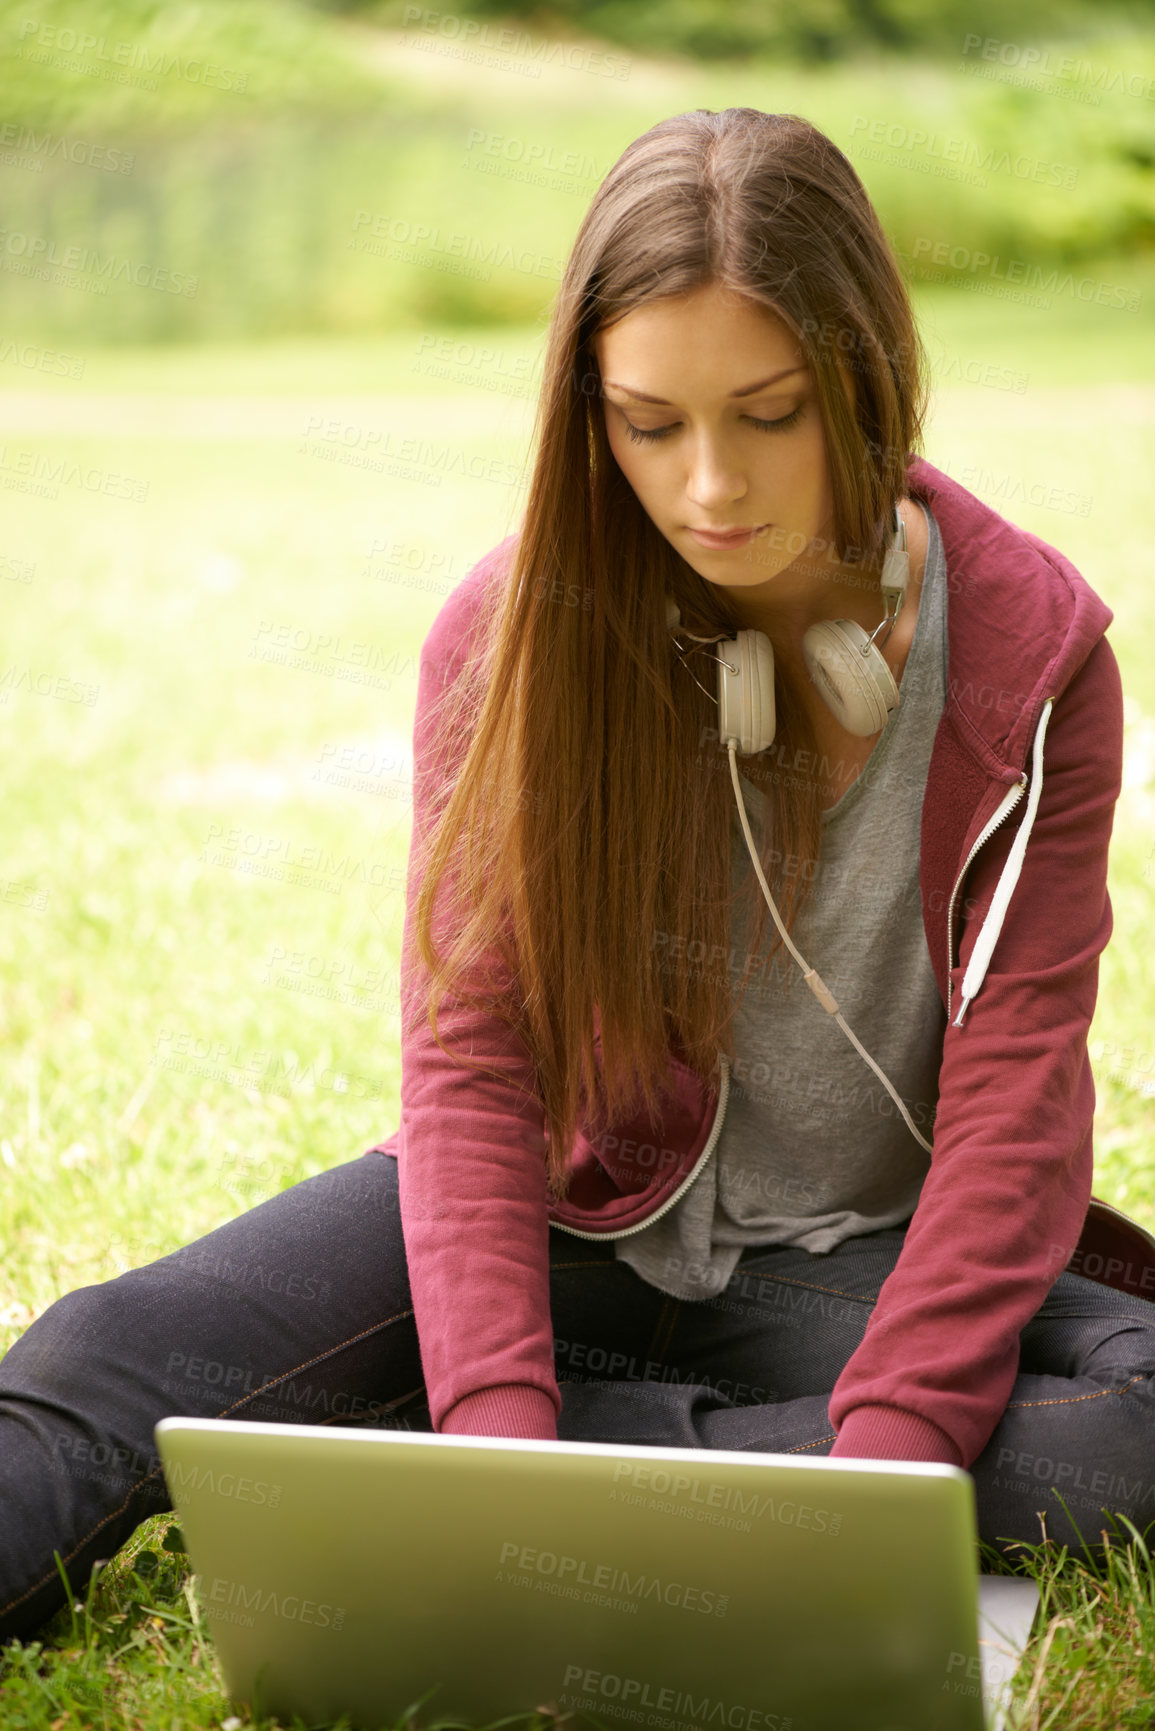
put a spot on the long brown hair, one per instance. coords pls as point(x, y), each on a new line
point(588, 825)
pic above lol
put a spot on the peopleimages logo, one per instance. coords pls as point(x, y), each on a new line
point(603, 1577)
point(598, 1688)
point(784, 1512)
point(964, 261)
point(180, 1478)
point(234, 1596)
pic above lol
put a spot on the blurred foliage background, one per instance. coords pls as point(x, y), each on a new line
point(258, 143)
point(826, 31)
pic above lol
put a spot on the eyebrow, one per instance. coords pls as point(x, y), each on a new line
point(746, 391)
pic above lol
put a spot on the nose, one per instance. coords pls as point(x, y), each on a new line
point(712, 480)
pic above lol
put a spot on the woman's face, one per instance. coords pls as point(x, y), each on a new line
point(731, 440)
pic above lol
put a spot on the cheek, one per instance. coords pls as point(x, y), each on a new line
point(816, 462)
point(794, 471)
point(631, 460)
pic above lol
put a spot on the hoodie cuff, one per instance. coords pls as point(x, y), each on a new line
point(890, 1433)
point(517, 1409)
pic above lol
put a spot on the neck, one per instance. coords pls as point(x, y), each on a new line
point(816, 585)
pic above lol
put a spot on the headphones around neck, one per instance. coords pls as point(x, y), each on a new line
point(844, 663)
point(856, 685)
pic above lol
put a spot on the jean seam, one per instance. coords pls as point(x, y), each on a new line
point(1073, 1399)
point(157, 1471)
point(589, 1262)
point(388, 1406)
point(800, 1447)
point(812, 1286)
point(663, 1335)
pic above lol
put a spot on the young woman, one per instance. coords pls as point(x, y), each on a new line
point(646, 1187)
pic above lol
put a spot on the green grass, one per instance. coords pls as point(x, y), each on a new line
point(125, 931)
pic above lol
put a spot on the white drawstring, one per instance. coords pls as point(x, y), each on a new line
point(993, 924)
point(811, 975)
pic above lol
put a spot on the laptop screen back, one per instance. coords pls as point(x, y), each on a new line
point(356, 1570)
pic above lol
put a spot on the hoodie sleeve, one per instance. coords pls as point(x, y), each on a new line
point(471, 1149)
point(1005, 1198)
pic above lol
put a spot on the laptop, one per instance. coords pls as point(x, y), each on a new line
point(364, 1571)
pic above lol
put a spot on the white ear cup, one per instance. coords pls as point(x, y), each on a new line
point(746, 710)
point(859, 689)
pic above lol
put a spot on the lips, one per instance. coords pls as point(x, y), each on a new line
point(723, 538)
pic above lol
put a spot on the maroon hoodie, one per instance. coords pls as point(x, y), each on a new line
point(1016, 820)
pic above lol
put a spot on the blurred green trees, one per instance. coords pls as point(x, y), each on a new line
point(248, 168)
point(818, 30)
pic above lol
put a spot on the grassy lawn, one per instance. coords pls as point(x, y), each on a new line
point(206, 693)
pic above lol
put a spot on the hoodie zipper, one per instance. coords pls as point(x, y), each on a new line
point(1008, 803)
point(711, 1144)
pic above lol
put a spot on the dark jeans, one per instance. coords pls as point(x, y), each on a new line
point(299, 1312)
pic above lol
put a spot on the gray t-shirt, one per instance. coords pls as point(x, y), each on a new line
point(813, 1149)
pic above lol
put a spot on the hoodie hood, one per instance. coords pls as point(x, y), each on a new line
point(1021, 622)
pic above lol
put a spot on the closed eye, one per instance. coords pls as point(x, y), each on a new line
point(638, 434)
